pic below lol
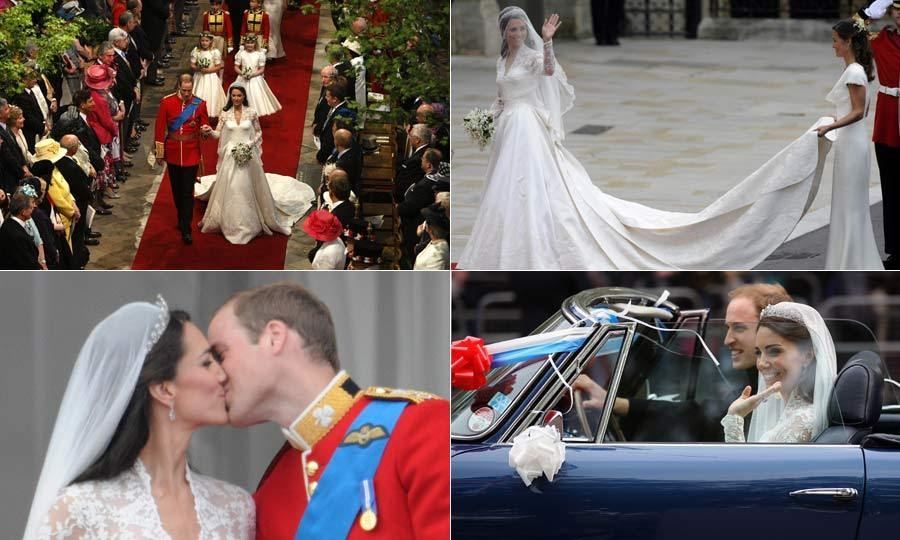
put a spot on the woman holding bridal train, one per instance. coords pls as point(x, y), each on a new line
point(540, 210)
point(116, 466)
point(244, 200)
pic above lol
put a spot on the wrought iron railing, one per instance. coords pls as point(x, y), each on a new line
point(784, 9)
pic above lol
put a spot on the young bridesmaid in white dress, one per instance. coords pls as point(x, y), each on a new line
point(250, 65)
point(207, 65)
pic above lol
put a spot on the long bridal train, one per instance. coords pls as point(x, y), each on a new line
point(588, 229)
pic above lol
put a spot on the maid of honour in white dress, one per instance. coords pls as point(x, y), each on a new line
point(260, 96)
point(275, 9)
point(244, 200)
point(540, 210)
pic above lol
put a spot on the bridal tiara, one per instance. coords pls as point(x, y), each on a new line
point(162, 322)
point(782, 310)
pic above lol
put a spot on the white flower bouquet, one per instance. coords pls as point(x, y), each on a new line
point(247, 72)
point(479, 124)
point(241, 153)
point(204, 63)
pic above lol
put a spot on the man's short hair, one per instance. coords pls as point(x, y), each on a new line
point(116, 34)
point(343, 137)
point(80, 97)
point(18, 202)
point(421, 132)
point(125, 18)
point(131, 4)
point(338, 88)
point(339, 184)
point(296, 307)
point(761, 294)
point(434, 157)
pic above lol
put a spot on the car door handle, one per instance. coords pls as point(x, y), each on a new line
point(840, 494)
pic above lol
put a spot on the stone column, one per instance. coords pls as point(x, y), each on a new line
point(474, 27)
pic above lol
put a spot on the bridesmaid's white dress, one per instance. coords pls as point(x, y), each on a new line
point(208, 86)
point(851, 239)
point(259, 95)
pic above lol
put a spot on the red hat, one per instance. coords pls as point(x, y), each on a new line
point(323, 226)
point(97, 77)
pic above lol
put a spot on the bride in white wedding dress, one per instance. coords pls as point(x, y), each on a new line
point(797, 362)
point(244, 200)
point(540, 210)
point(116, 466)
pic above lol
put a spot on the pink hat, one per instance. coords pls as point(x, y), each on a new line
point(97, 77)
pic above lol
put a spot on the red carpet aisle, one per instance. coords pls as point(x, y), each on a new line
point(161, 246)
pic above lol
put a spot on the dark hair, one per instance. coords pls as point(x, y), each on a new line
point(131, 4)
point(81, 97)
point(797, 334)
point(339, 185)
point(504, 22)
point(338, 88)
point(33, 182)
point(229, 104)
point(859, 44)
point(433, 156)
point(125, 17)
point(133, 430)
point(43, 169)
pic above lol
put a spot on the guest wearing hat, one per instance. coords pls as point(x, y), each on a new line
point(365, 254)
point(420, 195)
point(60, 193)
point(41, 218)
point(69, 10)
point(102, 119)
point(436, 255)
point(43, 171)
point(326, 228)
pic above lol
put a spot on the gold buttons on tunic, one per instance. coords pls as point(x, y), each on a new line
point(312, 487)
point(312, 468)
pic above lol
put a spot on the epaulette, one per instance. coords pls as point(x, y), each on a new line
point(169, 95)
point(397, 394)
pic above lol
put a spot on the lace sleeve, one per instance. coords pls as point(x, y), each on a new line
point(257, 129)
point(549, 58)
point(64, 521)
point(734, 428)
point(216, 133)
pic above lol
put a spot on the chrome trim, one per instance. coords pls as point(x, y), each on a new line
point(838, 494)
point(614, 385)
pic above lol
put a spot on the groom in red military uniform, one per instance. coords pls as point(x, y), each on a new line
point(178, 134)
point(886, 134)
point(359, 463)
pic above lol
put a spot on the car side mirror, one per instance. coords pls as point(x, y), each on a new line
point(553, 418)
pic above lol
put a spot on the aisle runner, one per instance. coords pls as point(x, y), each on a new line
point(161, 246)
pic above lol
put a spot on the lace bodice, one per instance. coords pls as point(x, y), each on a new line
point(796, 424)
point(123, 508)
point(840, 95)
point(519, 83)
point(230, 132)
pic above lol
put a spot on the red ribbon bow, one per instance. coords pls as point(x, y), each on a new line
point(469, 363)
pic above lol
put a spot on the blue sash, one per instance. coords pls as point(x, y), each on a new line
point(185, 115)
point(339, 497)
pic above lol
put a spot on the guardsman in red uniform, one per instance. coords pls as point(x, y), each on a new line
point(886, 134)
point(359, 463)
point(256, 21)
point(179, 130)
point(217, 22)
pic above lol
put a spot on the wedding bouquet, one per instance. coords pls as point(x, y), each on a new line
point(241, 153)
point(479, 124)
point(246, 72)
point(204, 63)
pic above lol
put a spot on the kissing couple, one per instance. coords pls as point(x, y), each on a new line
point(356, 461)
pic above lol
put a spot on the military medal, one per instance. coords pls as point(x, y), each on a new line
point(368, 520)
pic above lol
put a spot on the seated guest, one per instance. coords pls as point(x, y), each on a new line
point(15, 122)
point(420, 195)
point(436, 255)
point(17, 249)
point(410, 171)
point(45, 228)
point(347, 156)
point(326, 228)
point(336, 96)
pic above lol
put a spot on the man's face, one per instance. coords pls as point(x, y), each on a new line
point(4, 113)
point(741, 319)
point(131, 25)
point(895, 15)
point(186, 90)
point(245, 365)
point(330, 99)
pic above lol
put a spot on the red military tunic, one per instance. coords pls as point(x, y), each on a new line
point(886, 48)
point(181, 147)
point(256, 22)
point(412, 483)
point(218, 23)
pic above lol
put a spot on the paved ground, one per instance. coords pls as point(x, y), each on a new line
point(121, 231)
point(688, 120)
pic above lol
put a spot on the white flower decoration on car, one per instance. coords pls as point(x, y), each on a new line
point(324, 415)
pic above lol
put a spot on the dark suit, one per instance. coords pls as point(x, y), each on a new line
point(607, 15)
point(408, 173)
point(351, 163)
point(80, 187)
point(17, 249)
point(153, 21)
point(417, 197)
point(236, 9)
point(75, 125)
point(321, 113)
point(327, 137)
point(126, 81)
point(11, 162)
point(34, 117)
point(345, 212)
point(48, 236)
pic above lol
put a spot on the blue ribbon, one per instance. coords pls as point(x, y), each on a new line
point(337, 500)
point(530, 352)
point(185, 115)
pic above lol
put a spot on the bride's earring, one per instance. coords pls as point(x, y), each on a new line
point(172, 412)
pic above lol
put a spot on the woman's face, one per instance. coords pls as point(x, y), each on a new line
point(205, 43)
point(250, 46)
point(20, 122)
point(199, 382)
point(516, 33)
point(839, 44)
point(25, 215)
point(109, 57)
point(779, 359)
point(237, 97)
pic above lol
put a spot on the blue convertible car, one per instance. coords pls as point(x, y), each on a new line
point(662, 470)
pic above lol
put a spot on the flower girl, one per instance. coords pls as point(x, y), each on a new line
point(207, 65)
point(250, 64)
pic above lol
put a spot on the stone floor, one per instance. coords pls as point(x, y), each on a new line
point(688, 120)
point(121, 230)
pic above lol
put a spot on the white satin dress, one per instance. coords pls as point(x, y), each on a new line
point(851, 239)
point(244, 200)
point(540, 209)
point(275, 9)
